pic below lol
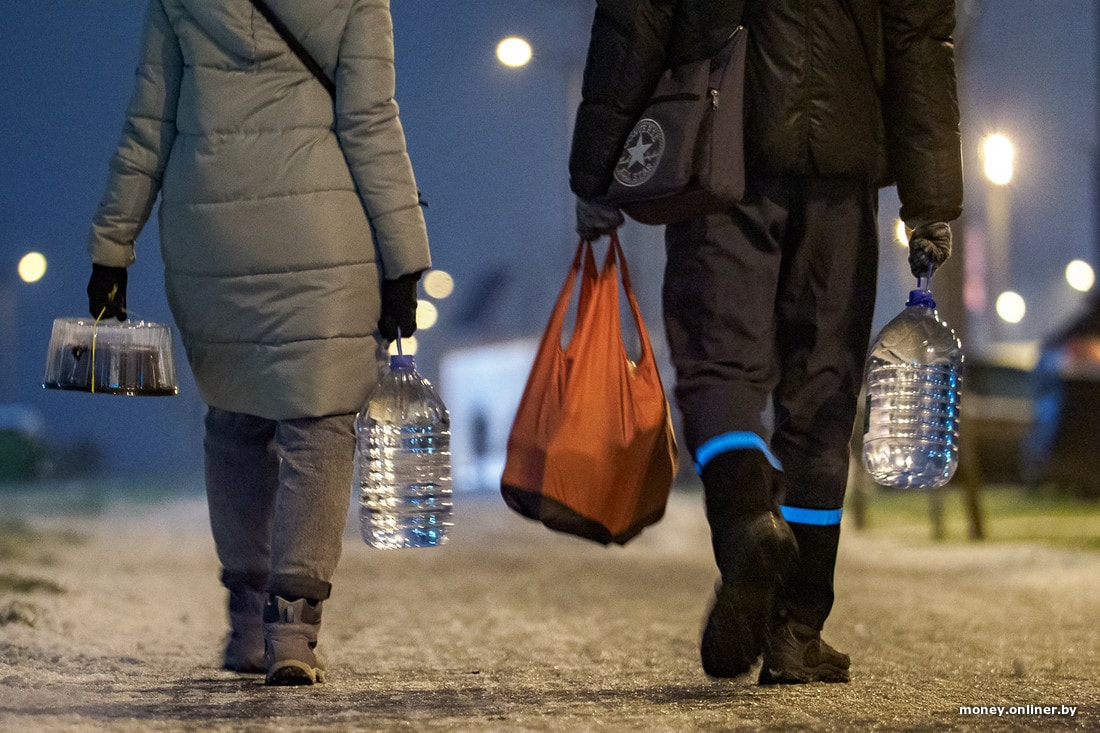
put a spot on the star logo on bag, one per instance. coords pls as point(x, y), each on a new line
point(641, 153)
point(637, 153)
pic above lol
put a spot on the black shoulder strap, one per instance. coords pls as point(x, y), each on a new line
point(700, 29)
point(296, 46)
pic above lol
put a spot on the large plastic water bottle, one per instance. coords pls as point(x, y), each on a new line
point(403, 454)
point(914, 374)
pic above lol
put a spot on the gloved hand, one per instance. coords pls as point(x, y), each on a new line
point(595, 219)
point(398, 307)
point(929, 247)
point(107, 292)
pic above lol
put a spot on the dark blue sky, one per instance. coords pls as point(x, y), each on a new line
point(489, 147)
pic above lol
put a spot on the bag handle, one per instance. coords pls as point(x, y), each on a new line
point(615, 254)
point(296, 46)
point(614, 267)
point(584, 261)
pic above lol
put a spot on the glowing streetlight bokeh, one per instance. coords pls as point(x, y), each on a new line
point(901, 234)
point(1080, 275)
point(998, 157)
point(513, 51)
point(1011, 306)
point(32, 266)
point(438, 284)
point(426, 315)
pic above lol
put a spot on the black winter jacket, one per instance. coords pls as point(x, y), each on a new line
point(855, 88)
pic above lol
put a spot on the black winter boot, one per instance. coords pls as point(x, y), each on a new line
point(807, 590)
point(753, 546)
point(756, 553)
point(796, 654)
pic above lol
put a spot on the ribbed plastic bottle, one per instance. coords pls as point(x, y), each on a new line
point(403, 454)
point(914, 375)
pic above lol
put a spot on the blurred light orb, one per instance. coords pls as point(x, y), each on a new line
point(998, 156)
point(514, 52)
point(408, 346)
point(1080, 275)
point(32, 266)
point(426, 315)
point(901, 233)
point(1011, 306)
point(439, 284)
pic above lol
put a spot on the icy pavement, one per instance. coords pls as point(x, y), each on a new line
point(511, 627)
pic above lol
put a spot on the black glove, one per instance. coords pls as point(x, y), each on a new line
point(107, 292)
point(398, 307)
point(595, 219)
point(929, 247)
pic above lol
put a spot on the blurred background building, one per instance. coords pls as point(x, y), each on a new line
point(489, 142)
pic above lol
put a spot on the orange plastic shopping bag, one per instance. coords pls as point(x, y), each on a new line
point(592, 450)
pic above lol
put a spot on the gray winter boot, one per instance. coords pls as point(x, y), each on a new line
point(290, 642)
point(244, 649)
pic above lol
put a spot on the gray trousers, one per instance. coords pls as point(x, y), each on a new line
point(278, 493)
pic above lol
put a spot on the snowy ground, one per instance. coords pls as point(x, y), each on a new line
point(511, 627)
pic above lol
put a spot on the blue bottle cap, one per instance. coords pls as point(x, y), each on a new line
point(921, 297)
point(402, 361)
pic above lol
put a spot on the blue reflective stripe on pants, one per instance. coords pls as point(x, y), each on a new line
point(733, 441)
point(819, 517)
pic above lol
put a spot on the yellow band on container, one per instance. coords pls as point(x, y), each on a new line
point(95, 328)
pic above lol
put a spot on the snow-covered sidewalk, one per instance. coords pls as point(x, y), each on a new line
point(513, 627)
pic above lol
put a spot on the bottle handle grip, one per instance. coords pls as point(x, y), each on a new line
point(927, 279)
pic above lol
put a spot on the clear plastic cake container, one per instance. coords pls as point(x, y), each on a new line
point(111, 357)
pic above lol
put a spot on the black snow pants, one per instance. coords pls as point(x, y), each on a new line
point(768, 309)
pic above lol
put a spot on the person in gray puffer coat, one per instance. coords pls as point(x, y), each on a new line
point(292, 238)
point(768, 305)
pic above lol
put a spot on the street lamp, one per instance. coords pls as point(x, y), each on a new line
point(998, 157)
point(1011, 307)
point(32, 266)
point(426, 315)
point(1080, 275)
point(439, 284)
point(901, 233)
point(514, 52)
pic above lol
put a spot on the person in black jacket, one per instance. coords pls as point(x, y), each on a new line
point(768, 305)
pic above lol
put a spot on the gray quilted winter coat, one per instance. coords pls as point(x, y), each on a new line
point(279, 211)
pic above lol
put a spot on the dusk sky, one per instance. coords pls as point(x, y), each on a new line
point(489, 147)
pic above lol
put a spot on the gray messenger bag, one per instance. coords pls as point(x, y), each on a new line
point(685, 156)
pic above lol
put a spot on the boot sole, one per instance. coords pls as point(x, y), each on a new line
point(806, 675)
point(293, 673)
